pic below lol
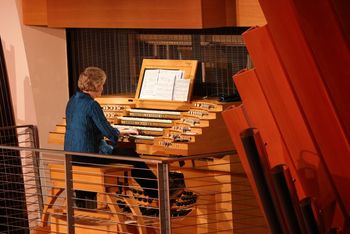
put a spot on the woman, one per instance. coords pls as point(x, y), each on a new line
point(87, 127)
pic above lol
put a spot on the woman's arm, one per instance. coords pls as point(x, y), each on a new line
point(102, 123)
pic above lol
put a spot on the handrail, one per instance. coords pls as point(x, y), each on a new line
point(106, 156)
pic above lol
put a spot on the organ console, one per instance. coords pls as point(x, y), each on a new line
point(178, 128)
point(170, 127)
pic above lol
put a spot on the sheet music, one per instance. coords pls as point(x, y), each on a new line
point(161, 84)
point(149, 83)
point(181, 89)
point(177, 74)
point(165, 86)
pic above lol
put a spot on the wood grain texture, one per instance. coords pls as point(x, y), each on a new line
point(249, 13)
point(189, 67)
point(322, 110)
point(34, 12)
point(330, 49)
point(312, 174)
point(135, 14)
point(261, 116)
point(236, 120)
point(195, 14)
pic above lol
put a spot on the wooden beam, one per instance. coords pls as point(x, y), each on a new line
point(136, 14)
point(34, 12)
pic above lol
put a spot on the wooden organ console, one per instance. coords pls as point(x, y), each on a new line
point(166, 127)
point(172, 128)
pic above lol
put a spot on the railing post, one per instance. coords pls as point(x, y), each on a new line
point(69, 193)
point(36, 165)
point(164, 202)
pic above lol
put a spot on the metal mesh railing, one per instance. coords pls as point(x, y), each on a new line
point(20, 189)
point(197, 194)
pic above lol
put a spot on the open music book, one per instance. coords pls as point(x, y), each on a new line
point(164, 84)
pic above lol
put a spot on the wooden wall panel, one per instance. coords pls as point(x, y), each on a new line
point(34, 12)
point(311, 170)
point(307, 81)
point(236, 121)
point(281, 100)
point(136, 14)
point(330, 49)
point(142, 14)
point(212, 15)
point(260, 115)
point(341, 10)
point(230, 8)
point(249, 13)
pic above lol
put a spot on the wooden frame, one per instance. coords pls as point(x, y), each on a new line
point(188, 66)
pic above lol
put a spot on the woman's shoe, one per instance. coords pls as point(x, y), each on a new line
point(186, 200)
point(176, 184)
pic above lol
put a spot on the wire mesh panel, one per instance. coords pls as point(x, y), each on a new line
point(20, 187)
point(11, 177)
point(221, 53)
point(225, 201)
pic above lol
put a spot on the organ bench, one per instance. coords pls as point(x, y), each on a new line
point(106, 182)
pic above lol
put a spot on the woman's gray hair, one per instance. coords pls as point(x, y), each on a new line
point(91, 78)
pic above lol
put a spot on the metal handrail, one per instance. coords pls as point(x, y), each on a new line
point(106, 156)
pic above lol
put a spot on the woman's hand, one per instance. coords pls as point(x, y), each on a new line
point(128, 131)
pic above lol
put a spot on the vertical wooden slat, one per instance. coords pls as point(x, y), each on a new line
point(324, 111)
point(249, 13)
point(236, 121)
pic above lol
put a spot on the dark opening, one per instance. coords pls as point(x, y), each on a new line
point(221, 53)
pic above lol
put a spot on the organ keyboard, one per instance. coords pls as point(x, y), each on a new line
point(143, 130)
point(145, 121)
point(163, 114)
point(198, 130)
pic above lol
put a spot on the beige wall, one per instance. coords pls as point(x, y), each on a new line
point(36, 63)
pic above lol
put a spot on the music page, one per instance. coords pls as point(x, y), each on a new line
point(165, 85)
point(181, 89)
point(149, 83)
point(162, 84)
